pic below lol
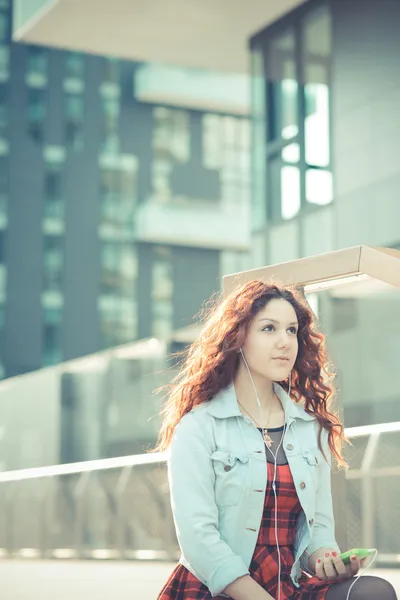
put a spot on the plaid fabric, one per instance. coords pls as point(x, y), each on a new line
point(264, 567)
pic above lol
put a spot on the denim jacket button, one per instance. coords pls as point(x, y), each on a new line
point(311, 521)
point(302, 485)
point(227, 468)
point(289, 447)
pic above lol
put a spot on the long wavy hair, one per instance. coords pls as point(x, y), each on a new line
point(210, 364)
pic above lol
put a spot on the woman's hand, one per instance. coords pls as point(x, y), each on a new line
point(330, 567)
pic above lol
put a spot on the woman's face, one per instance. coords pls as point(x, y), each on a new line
point(271, 344)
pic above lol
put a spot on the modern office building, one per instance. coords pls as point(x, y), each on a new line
point(119, 208)
point(325, 91)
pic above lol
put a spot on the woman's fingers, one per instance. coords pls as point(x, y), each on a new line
point(354, 564)
point(339, 565)
point(319, 570)
point(329, 567)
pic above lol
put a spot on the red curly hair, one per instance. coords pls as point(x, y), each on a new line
point(211, 362)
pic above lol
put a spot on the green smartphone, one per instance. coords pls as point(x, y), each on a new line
point(360, 552)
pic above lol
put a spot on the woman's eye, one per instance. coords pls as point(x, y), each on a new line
point(271, 328)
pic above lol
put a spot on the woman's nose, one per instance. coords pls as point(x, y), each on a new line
point(283, 341)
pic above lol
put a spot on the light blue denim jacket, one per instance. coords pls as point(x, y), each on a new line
point(218, 510)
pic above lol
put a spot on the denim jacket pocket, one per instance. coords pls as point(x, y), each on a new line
point(230, 476)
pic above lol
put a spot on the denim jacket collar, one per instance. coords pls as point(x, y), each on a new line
point(225, 404)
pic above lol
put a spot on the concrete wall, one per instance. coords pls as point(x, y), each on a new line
point(366, 124)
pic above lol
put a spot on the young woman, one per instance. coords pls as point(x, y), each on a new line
point(250, 439)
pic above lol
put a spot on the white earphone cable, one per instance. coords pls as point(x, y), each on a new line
point(275, 455)
point(275, 496)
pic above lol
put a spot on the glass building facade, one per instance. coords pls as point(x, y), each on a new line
point(291, 63)
point(104, 199)
point(325, 92)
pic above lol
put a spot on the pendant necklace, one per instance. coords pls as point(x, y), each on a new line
point(266, 437)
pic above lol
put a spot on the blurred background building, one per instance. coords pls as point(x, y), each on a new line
point(113, 198)
point(141, 160)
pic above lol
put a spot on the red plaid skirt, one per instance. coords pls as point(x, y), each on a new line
point(182, 585)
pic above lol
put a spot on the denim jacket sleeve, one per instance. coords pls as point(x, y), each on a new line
point(324, 522)
point(191, 479)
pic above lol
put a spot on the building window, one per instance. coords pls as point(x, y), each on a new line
point(36, 67)
point(282, 88)
point(111, 110)
point(75, 65)
point(111, 70)
point(296, 137)
point(4, 190)
point(74, 116)
point(118, 192)
point(37, 60)
point(52, 343)
point(36, 113)
point(316, 69)
point(4, 63)
point(171, 144)
point(3, 277)
point(54, 157)
point(53, 267)
point(4, 28)
point(117, 299)
point(3, 111)
point(162, 292)
point(53, 262)
point(226, 148)
point(171, 133)
point(284, 189)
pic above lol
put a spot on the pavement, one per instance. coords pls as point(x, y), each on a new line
point(98, 580)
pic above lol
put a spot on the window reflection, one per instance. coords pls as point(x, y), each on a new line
point(316, 59)
point(282, 88)
point(54, 157)
point(74, 65)
point(226, 148)
point(52, 349)
point(4, 27)
point(118, 192)
point(291, 153)
point(74, 116)
point(3, 110)
point(290, 186)
point(111, 70)
point(36, 113)
point(4, 189)
point(36, 66)
point(297, 168)
point(111, 111)
point(53, 262)
point(318, 33)
point(4, 63)
point(284, 190)
point(171, 145)
point(171, 133)
point(317, 124)
point(117, 300)
point(162, 291)
point(319, 186)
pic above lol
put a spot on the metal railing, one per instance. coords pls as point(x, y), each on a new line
point(120, 507)
point(111, 508)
